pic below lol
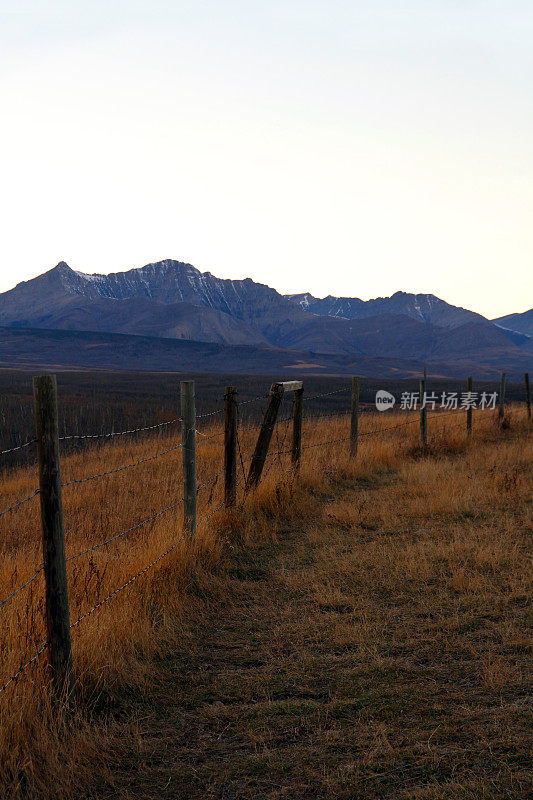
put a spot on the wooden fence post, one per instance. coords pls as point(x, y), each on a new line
point(423, 414)
point(528, 395)
point(188, 439)
point(265, 435)
point(297, 413)
point(230, 447)
point(354, 420)
point(53, 534)
point(469, 385)
point(502, 396)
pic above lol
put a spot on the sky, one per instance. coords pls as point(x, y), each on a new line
point(339, 147)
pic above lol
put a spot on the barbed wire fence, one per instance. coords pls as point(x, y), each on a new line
point(58, 624)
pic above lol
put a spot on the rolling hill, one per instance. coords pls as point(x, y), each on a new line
point(31, 348)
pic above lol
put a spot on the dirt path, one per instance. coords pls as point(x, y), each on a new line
point(307, 671)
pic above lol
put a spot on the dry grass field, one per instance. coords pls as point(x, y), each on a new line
point(356, 631)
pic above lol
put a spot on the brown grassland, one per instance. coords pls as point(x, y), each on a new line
point(356, 631)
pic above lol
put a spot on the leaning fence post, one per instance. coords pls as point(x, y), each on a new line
point(53, 534)
point(502, 396)
point(528, 395)
point(265, 435)
point(297, 413)
point(469, 386)
point(188, 439)
point(423, 413)
point(230, 447)
point(354, 421)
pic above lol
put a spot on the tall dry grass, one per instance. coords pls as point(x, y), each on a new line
point(113, 645)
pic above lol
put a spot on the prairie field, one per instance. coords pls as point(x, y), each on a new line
point(357, 628)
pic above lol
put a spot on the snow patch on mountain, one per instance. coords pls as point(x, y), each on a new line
point(91, 278)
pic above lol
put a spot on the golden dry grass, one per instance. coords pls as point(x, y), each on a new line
point(409, 547)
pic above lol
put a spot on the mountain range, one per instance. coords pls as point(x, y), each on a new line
point(171, 300)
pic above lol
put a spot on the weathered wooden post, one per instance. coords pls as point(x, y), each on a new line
point(502, 396)
point(265, 435)
point(53, 534)
point(469, 385)
point(230, 447)
point(423, 413)
point(354, 419)
point(188, 439)
point(297, 414)
point(528, 395)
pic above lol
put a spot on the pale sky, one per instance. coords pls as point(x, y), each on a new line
point(339, 147)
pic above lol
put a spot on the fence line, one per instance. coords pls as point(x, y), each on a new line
point(439, 414)
point(270, 424)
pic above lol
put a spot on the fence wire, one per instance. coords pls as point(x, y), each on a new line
point(327, 394)
point(19, 503)
point(24, 667)
point(119, 433)
point(206, 436)
point(23, 586)
point(125, 532)
point(121, 469)
point(18, 447)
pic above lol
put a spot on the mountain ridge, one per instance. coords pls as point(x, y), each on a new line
point(424, 307)
point(171, 299)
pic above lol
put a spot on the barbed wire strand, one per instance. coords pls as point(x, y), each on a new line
point(20, 588)
point(118, 433)
point(327, 394)
point(120, 469)
point(128, 530)
point(205, 436)
point(24, 667)
point(19, 503)
point(19, 447)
